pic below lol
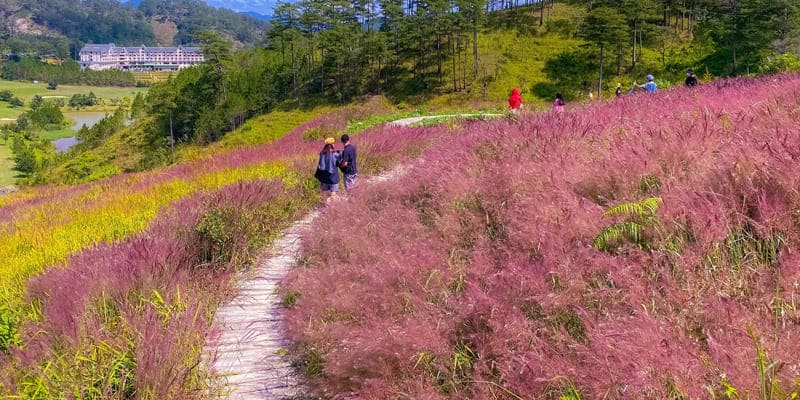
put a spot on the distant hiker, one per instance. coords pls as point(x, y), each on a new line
point(591, 96)
point(650, 86)
point(618, 90)
point(515, 100)
point(327, 174)
point(558, 103)
point(691, 79)
point(348, 163)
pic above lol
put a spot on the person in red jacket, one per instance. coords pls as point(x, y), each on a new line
point(515, 100)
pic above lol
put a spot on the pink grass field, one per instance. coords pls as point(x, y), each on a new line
point(128, 319)
point(473, 275)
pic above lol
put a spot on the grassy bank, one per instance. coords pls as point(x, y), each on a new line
point(7, 172)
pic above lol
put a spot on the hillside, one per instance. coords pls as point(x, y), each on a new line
point(639, 249)
point(189, 226)
point(52, 26)
point(522, 283)
point(307, 60)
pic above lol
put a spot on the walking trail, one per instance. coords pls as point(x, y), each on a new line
point(247, 350)
point(415, 120)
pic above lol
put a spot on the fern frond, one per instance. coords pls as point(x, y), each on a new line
point(639, 209)
point(610, 237)
point(628, 209)
point(651, 204)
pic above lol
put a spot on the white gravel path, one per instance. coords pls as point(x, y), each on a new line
point(247, 351)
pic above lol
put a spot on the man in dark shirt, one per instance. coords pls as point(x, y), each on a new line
point(348, 163)
point(691, 79)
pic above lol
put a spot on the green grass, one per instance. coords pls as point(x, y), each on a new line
point(7, 172)
point(456, 118)
point(59, 134)
point(26, 90)
point(257, 130)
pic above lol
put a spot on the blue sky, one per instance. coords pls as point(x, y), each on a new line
point(260, 6)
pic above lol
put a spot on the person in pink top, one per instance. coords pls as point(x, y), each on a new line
point(558, 103)
point(515, 100)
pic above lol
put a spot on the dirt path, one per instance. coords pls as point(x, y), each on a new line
point(414, 120)
point(246, 353)
point(247, 350)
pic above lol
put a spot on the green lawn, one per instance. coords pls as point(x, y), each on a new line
point(53, 135)
point(7, 172)
point(26, 90)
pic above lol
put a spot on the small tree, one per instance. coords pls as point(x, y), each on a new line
point(16, 102)
point(52, 85)
point(36, 102)
point(24, 157)
point(604, 27)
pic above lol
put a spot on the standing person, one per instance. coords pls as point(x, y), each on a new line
point(618, 90)
point(327, 174)
point(558, 103)
point(515, 100)
point(650, 86)
point(348, 164)
point(691, 79)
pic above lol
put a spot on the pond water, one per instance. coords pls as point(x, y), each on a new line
point(85, 118)
point(64, 144)
point(81, 119)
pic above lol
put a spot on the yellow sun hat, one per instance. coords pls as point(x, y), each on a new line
point(330, 140)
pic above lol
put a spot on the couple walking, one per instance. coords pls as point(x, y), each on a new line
point(330, 161)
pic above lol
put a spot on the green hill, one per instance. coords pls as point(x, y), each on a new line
point(439, 58)
point(60, 27)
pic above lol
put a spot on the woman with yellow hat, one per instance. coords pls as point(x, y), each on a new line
point(327, 171)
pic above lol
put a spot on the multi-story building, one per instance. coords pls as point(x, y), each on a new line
point(109, 56)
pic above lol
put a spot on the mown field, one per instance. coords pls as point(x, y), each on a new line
point(26, 90)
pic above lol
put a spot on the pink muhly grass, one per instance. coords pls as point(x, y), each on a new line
point(149, 298)
point(473, 275)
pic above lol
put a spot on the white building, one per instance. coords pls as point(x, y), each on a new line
point(109, 56)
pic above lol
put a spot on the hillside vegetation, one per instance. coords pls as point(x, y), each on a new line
point(442, 56)
point(60, 27)
point(639, 248)
point(635, 249)
point(159, 249)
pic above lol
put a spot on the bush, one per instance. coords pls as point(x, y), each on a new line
point(786, 62)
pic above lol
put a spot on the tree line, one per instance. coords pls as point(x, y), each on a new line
point(68, 73)
point(111, 21)
point(334, 51)
point(339, 50)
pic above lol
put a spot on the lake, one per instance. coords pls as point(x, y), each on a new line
point(81, 119)
point(85, 118)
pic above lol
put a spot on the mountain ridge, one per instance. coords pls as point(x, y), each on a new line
point(62, 26)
